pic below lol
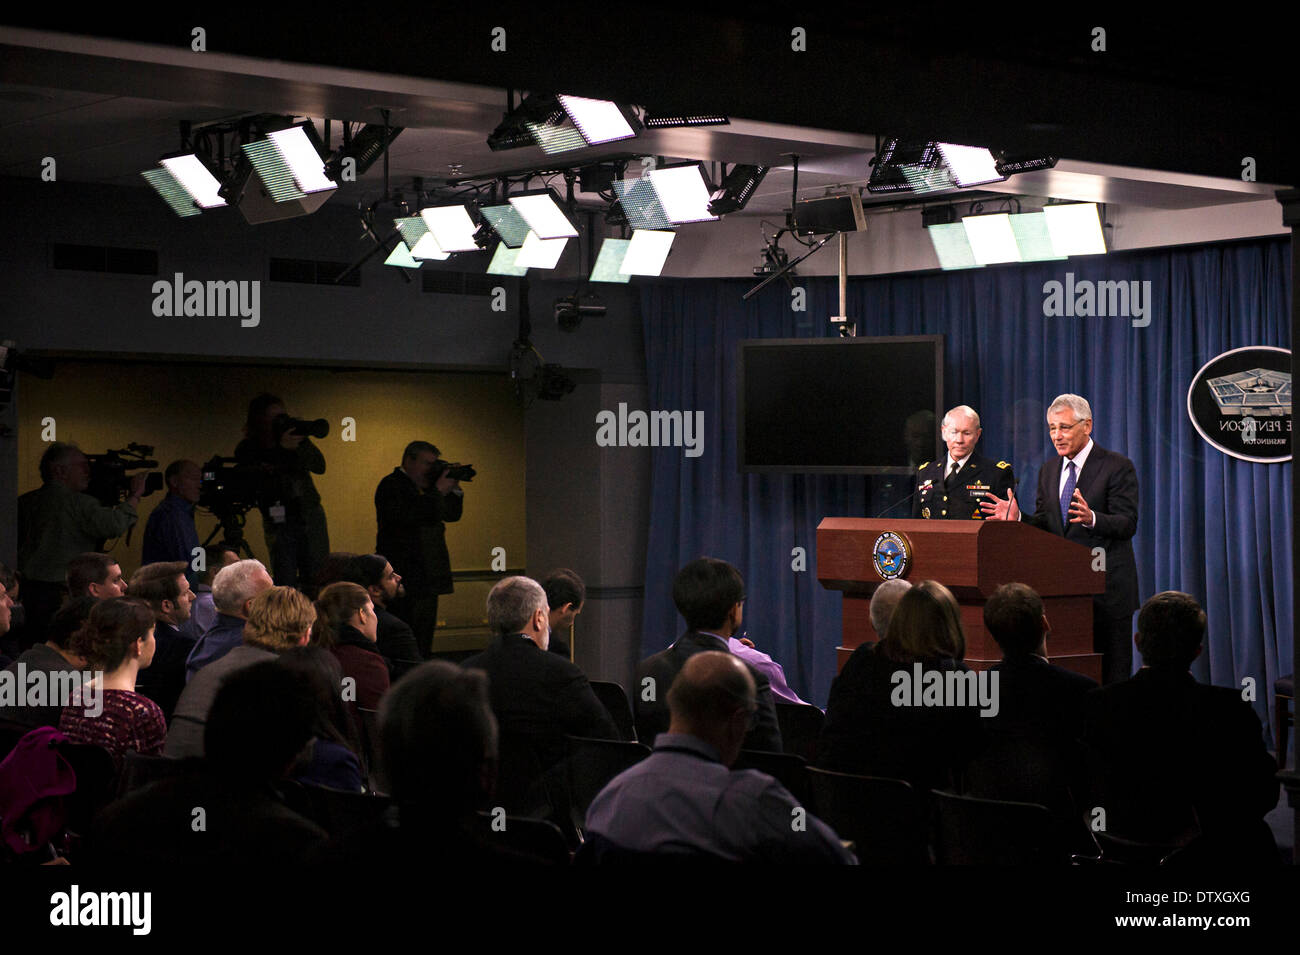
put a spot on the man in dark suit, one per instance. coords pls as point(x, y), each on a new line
point(166, 588)
point(710, 595)
point(1089, 495)
point(412, 507)
point(1039, 722)
point(537, 696)
point(952, 489)
point(1176, 756)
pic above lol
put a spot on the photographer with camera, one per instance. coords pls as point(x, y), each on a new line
point(297, 538)
point(60, 521)
point(412, 506)
point(170, 534)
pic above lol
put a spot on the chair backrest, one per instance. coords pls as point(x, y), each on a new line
point(614, 699)
point(534, 837)
point(96, 783)
point(1015, 767)
point(369, 720)
point(139, 771)
point(592, 764)
point(339, 813)
point(882, 817)
point(521, 789)
point(789, 770)
point(801, 728)
point(971, 831)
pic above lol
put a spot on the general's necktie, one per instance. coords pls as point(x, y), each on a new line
point(952, 474)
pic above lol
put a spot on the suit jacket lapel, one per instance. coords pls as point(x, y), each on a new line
point(1054, 494)
point(1089, 473)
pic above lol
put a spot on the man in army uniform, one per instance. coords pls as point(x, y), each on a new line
point(952, 488)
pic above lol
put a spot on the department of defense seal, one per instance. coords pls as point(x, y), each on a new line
point(891, 555)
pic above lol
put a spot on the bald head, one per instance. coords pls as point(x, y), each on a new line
point(713, 698)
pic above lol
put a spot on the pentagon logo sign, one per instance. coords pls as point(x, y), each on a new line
point(891, 555)
point(1240, 402)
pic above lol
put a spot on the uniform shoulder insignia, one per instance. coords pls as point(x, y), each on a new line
point(1003, 465)
point(924, 466)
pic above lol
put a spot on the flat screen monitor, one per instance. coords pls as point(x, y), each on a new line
point(840, 406)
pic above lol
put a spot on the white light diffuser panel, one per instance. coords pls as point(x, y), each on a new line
point(1075, 229)
point(401, 257)
point(506, 262)
point(539, 253)
point(427, 248)
point(599, 120)
point(301, 157)
point(991, 238)
point(969, 165)
point(951, 245)
point(610, 260)
point(452, 228)
point(195, 178)
point(544, 216)
point(683, 193)
point(646, 252)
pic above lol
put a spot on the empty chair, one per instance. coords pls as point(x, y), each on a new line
point(801, 727)
point(521, 788)
point(592, 764)
point(529, 837)
point(882, 817)
point(789, 770)
point(614, 699)
point(971, 831)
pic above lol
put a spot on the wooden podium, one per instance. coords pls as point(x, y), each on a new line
point(972, 559)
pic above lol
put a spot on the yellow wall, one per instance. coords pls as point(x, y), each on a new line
point(196, 411)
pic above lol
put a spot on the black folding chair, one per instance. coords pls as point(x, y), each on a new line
point(882, 817)
point(971, 831)
point(533, 837)
point(139, 771)
point(592, 764)
point(801, 728)
point(370, 746)
point(614, 699)
point(790, 771)
point(338, 812)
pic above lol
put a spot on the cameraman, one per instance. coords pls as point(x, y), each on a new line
point(170, 534)
point(59, 522)
point(412, 505)
point(296, 536)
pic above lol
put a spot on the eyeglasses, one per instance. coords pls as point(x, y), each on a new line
point(1063, 428)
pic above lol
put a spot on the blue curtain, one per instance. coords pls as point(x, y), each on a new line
point(1214, 526)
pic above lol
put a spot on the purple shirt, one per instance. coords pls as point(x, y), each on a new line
point(761, 662)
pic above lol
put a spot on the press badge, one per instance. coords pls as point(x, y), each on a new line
point(276, 512)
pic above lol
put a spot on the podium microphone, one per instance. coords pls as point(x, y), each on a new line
point(897, 503)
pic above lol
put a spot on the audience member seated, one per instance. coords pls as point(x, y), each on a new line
point(1040, 709)
point(259, 722)
point(345, 625)
point(438, 754)
point(394, 638)
point(684, 799)
point(51, 658)
point(535, 695)
point(97, 575)
point(1177, 756)
point(279, 619)
point(117, 642)
point(330, 759)
point(204, 612)
point(866, 733)
point(566, 592)
point(710, 595)
point(13, 636)
point(884, 602)
point(166, 589)
point(233, 591)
